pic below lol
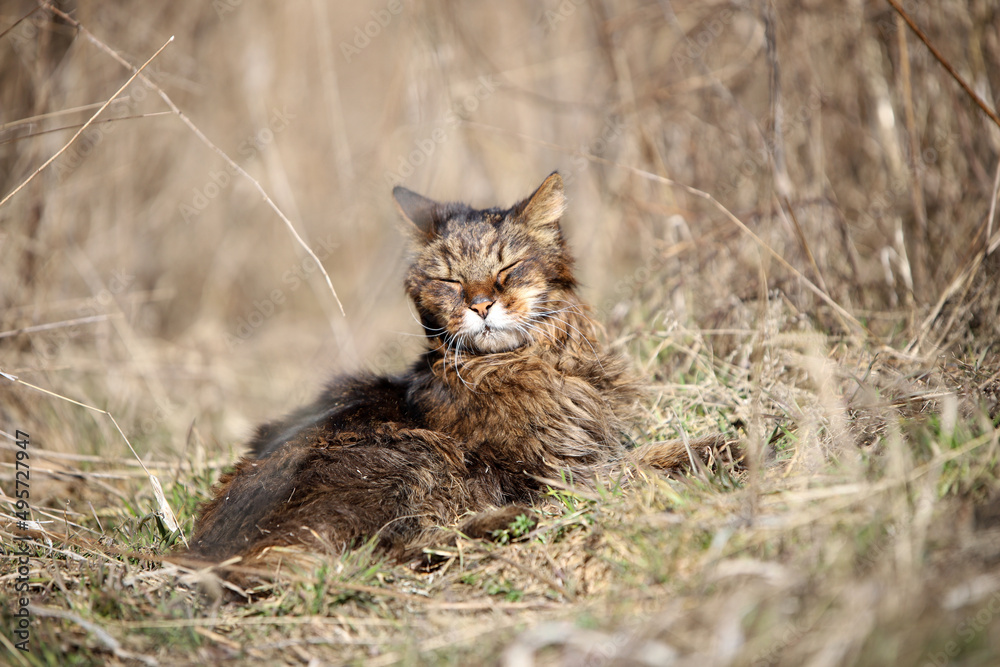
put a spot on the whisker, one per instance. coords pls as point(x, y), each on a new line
point(526, 325)
point(569, 305)
point(457, 372)
point(558, 310)
point(563, 322)
point(444, 357)
point(414, 335)
point(432, 331)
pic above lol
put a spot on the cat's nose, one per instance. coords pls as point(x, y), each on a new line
point(481, 305)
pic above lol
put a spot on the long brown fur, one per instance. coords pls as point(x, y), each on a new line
point(514, 386)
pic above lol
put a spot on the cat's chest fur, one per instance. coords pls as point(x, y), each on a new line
point(529, 412)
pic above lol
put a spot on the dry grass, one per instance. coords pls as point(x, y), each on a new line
point(834, 305)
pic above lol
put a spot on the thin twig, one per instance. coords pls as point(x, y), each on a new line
point(56, 325)
point(70, 127)
point(205, 140)
point(105, 639)
point(168, 514)
point(18, 22)
point(29, 120)
point(944, 63)
point(85, 126)
point(805, 244)
point(12, 650)
point(965, 274)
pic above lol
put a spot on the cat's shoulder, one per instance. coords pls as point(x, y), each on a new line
point(346, 402)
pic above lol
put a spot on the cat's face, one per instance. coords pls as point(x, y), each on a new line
point(484, 281)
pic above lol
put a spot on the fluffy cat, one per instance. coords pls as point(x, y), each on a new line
point(514, 387)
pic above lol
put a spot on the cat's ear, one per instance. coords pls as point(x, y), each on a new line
point(545, 206)
point(418, 210)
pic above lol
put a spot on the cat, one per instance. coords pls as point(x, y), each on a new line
point(514, 388)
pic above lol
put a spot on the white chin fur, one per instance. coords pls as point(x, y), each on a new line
point(497, 333)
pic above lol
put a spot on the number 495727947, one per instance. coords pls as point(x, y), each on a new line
point(21, 476)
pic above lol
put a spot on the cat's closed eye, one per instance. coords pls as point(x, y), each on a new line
point(504, 273)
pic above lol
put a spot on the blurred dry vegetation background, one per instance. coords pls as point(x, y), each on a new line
point(141, 275)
